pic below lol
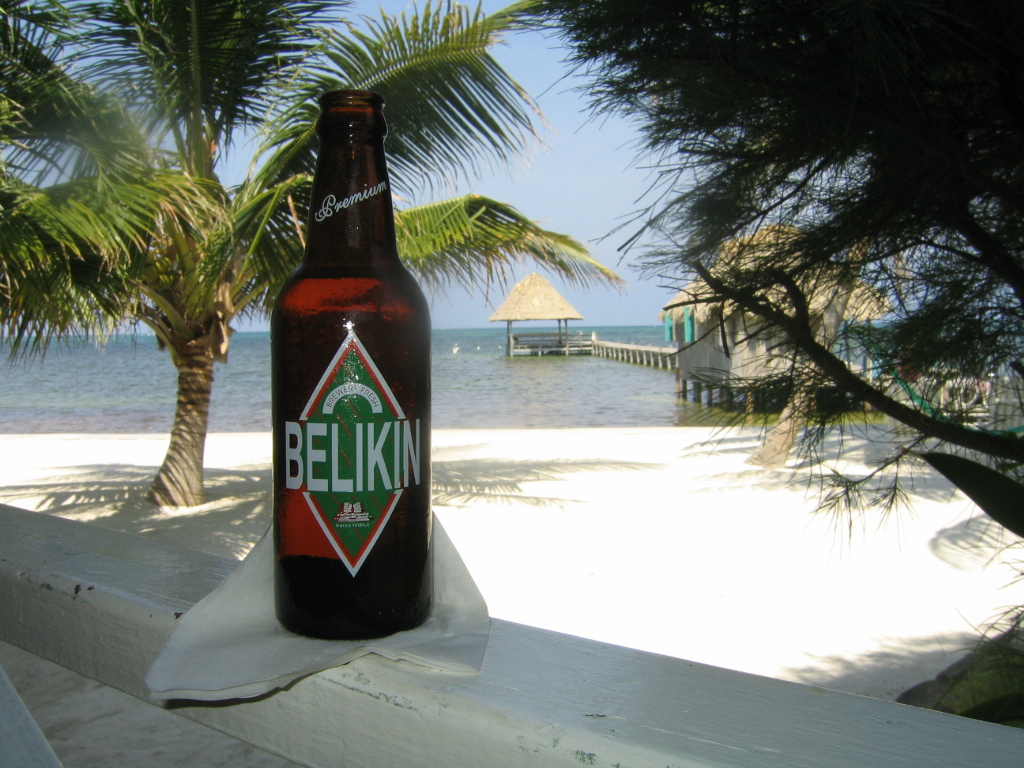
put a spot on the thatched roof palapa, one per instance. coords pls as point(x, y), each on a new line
point(534, 298)
point(862, 302)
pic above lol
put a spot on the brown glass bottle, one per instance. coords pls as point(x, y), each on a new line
point(350, 340)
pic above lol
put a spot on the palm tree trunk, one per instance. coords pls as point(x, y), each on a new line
point(774, 451)
point(179, 482)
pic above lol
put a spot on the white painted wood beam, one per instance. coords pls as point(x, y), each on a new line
point(22, 744)
point(103, 603)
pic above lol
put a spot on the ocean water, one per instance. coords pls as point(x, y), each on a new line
point(128, 386)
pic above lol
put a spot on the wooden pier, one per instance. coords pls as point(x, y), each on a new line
point(690, 385)
point(691, 390)
point(565, 343)
point(655, 357)
point(666, 358)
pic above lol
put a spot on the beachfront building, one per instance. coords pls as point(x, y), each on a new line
point(720, 346)
point(713, 344)
point(535, 298)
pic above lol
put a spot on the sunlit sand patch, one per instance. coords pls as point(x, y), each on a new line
point(662, 539)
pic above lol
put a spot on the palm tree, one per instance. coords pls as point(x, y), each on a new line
point(74, 192)
point(196, 77)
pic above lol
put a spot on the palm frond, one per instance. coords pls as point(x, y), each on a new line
point(474, 241)
point(203, 67)
point(53, 126)
point(452, 110)
point(55, 267)
point(73, 253)
point(256, 246)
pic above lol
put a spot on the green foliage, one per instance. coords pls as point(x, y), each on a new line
point(452, 110)
point(987, 684)
point(76, 193)
point(477, 114)
point(197, 71)
point(885, 139)
point(442, 242)
point(999, 496)
point(116, 118)
point(1007, 709)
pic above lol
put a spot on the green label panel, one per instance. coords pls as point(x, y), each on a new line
point(352, 452)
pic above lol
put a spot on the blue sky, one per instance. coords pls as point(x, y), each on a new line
point(582, 182)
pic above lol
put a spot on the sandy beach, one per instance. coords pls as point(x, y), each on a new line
point(661, 539)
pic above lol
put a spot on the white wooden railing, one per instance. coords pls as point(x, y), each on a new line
point(103, 603)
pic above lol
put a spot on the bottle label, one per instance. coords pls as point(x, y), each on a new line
point(331, 205)
point(352, 453)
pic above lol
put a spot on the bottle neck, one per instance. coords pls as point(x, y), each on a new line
point(351, 220)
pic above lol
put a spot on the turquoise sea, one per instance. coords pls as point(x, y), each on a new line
point(128, 386)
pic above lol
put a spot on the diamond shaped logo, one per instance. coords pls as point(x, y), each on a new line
point(352, 452)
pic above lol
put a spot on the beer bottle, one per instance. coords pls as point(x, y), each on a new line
point(350, 339)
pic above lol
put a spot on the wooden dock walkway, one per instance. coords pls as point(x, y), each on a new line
point(690, 386)
point(667, 358)
point(578, 343)
point(638, 354)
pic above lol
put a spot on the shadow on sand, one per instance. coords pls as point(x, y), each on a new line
point(235, 515)
point(466, 482)
point(891, 670)
point(855, 453)
point(238, 508)
point(974, 543)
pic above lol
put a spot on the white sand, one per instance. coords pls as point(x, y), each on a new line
point(656, 538)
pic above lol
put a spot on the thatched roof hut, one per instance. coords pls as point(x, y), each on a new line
point(858, 301)
point(862, 303)
point(534, 298)
point(717, 336)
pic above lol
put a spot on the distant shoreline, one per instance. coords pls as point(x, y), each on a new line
point(144, 332)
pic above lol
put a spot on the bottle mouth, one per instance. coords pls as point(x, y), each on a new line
point(351, 98)
point(351, 113)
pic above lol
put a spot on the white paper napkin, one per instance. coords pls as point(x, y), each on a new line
point(230, 645)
